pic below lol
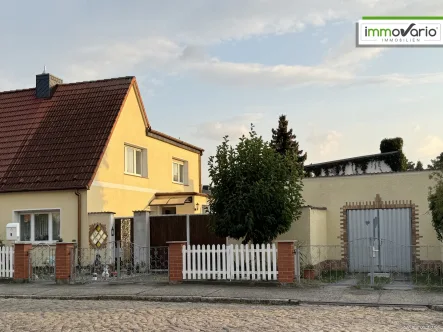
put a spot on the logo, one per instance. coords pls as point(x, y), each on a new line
point(399, 31)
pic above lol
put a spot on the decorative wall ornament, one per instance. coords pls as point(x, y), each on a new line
point(98, 236)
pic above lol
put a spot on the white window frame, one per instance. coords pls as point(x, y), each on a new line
point(33, 212)
point(183, 164)
point(144, 160)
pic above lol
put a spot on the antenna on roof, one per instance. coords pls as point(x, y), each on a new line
point(44, 70)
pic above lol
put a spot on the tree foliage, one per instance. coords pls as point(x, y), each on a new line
point(284, 141)
point(436, 163)
point(397, 162)
point(256, 193)
point(410, 166)
point(435, 197)
point(419, 166)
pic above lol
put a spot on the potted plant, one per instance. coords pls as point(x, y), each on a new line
point(309, 272)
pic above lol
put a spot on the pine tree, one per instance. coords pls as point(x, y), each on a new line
point(419, 166)
point(283, 140)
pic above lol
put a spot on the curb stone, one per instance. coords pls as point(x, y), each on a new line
point(224, 300)
point(176, 299)
point(436, 307)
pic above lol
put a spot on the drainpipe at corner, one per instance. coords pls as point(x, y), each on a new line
point(79, 219)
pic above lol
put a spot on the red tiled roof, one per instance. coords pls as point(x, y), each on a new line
point(57, 143)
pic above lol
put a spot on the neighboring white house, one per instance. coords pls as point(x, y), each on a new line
point(374, 163)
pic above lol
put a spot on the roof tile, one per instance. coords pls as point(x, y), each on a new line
point(49, 144)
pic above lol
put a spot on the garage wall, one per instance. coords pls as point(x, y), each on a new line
point(334, 192)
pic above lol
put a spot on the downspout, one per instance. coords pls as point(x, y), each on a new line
point(79, 218)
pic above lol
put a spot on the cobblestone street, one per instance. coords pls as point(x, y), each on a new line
point(59, 315)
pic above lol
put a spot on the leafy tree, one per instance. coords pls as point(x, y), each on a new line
point(397, 162)
point(436, 163)
point(410, 166)
point(256, 193)
point(283, 140)
point(419, 166)
point(435, 197)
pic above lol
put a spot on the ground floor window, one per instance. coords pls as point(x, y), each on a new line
point(169, 210)
point(40, 226)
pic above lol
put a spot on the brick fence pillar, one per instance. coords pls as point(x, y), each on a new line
point(175, 261)
point(285, 261)
point(21, 262)
point(63, 264)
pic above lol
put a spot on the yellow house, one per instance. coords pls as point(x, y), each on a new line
point(70, 150)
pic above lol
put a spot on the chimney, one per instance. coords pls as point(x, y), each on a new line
point(46, 84)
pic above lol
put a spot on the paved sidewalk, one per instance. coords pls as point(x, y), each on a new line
point(233, 293)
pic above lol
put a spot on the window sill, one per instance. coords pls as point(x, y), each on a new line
point(136, 175)
point(180, 183)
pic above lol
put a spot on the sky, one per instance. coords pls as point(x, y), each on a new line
point(210, 68)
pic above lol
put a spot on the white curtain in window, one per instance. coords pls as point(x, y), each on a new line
point(25, 227)
point(138, 162)
point(175, 172)
point(129, 159)
point(55, 226)
point(41, 227)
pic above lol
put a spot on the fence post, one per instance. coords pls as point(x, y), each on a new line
point(298, 267)
point(118, 259)
point(63, 251)
point(188, 230)
point(285, 261)
point(175, 261)
point(22, 265)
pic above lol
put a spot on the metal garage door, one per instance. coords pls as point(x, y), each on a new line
point(388, 231)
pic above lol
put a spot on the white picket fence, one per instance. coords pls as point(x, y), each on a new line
point(231, 262)
point(6, 262)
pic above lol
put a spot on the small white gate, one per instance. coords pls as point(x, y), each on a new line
point(6, 262)
point(232, 262)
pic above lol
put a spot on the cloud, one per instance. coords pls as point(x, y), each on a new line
point(324, 144)
point(431, 146)
point(156, 39)
point(234, 127)
point(166, 56)
point(410, 100)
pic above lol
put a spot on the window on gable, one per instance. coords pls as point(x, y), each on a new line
point(40, 226)
point(178, 171)
point(134, 160)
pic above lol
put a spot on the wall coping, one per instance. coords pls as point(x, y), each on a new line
point(286, 241)
point(172, 242)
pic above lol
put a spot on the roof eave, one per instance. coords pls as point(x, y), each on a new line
point(6, 191)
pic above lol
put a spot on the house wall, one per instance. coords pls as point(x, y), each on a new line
point(66, 201)
point(335, 192)
point(112, 190)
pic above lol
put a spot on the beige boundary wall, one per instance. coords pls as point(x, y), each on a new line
point(323, 221)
